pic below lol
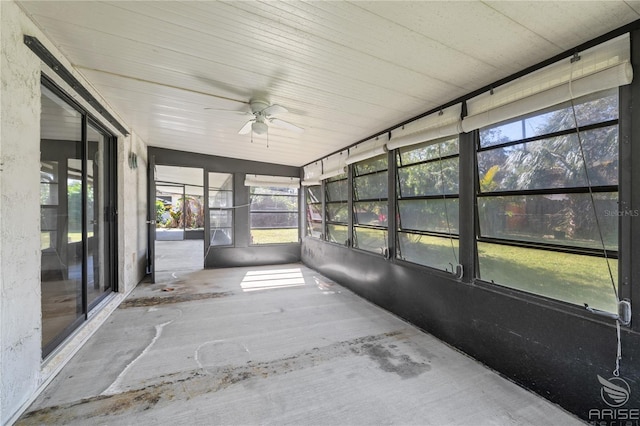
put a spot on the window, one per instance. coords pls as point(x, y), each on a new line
point(540, 227)
point(221, 209)
point(370, 192)
point(274, 215)
point(314, 211)
point(337, 209)
point(427, 181)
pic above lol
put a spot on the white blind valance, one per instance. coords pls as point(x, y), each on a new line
point(431, 127)
point(334, 165)
point(367, 149)
point(312, 174)
point(272, 181)
point(602, 67)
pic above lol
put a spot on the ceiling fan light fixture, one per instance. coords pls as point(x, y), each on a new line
point(259, 128)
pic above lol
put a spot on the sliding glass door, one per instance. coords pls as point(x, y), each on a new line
point(77, 195)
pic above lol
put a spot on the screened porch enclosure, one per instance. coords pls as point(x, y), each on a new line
point(320, 212)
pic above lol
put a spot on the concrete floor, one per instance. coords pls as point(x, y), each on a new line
point(174, 259)
point(274, 345)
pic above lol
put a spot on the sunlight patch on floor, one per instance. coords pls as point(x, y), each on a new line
point(272, 279)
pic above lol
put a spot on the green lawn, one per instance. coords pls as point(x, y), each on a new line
point(274, 236)
point(436, 252)
point(571, 278)
point(72, 237)
point(373, 240)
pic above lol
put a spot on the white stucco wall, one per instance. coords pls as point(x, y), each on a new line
point(20, 323)
point(133, 213)
point(22, 371)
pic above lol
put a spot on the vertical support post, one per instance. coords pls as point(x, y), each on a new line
point(112, 146)
point(624, 193)
point(207, 217)
point(467, 205)
point(350, 196)
point(85, 238)
point(302, 209)
point(184, 212)
point(323, 206)
point(630, 182)
point(241, 220)
point(391, 203)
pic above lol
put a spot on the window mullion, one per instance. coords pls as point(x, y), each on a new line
point(467, 206)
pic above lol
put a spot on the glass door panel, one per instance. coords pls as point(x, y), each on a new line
point(61, 218)
point(61, 239)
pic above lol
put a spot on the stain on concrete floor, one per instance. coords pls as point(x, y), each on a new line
point(400, 364)
point(171, 298)
point(382, 348)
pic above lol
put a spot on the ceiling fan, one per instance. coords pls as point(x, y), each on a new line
point(262, 116)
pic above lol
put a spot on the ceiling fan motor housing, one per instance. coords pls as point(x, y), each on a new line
point(258, 106)
point(263, 116)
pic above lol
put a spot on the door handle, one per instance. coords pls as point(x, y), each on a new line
point(151, 222)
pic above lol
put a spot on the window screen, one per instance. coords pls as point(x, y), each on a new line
point(427, 191)
point(314, 211)
point(541, 229)
point(274, 215)
point(370, 192)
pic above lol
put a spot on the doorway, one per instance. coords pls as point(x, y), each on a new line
point(179, 221)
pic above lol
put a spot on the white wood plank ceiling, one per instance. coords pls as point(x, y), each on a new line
point(344, 70)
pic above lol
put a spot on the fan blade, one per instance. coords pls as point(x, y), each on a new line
point(285, 125)
point(229, 111)
point(274, 109)
point(243, 94)
point(246, 128)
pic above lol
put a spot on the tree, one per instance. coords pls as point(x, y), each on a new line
point(426, 173)
point(559, 162)
point(160, 209)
